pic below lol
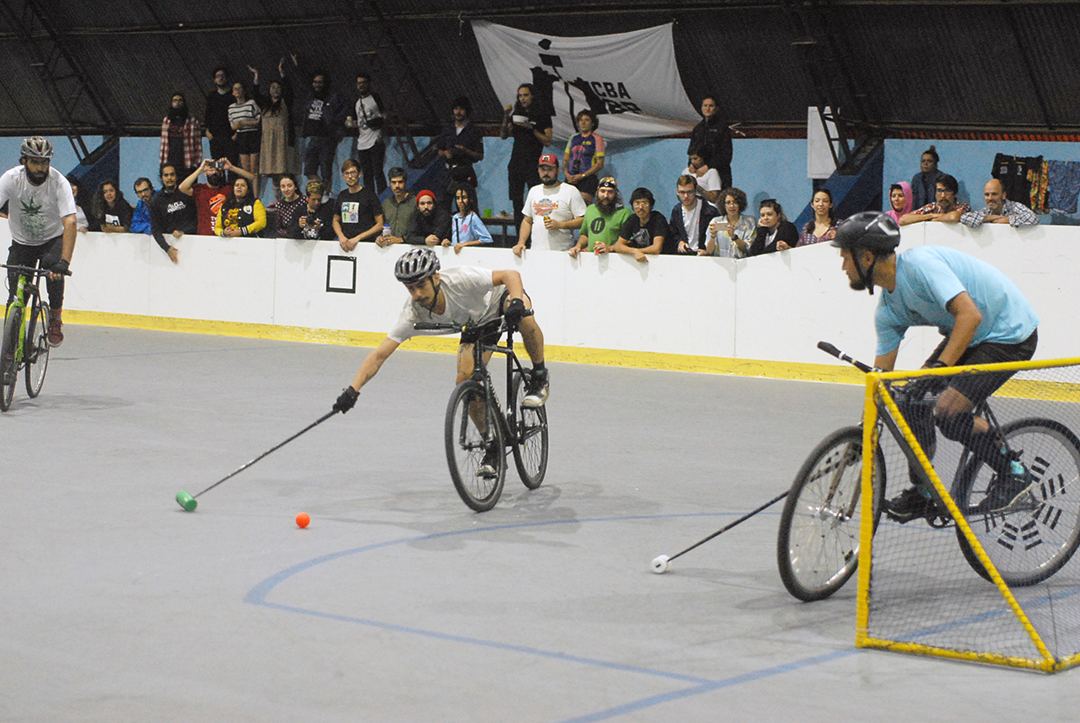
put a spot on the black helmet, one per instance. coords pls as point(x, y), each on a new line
point(416, 265)
point(36, 147)
point(871, 230)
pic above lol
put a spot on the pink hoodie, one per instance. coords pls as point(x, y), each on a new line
point(907, 202)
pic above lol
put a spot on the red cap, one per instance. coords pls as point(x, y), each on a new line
point(423, 193)
point(549, 159)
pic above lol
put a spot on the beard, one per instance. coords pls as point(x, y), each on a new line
point(36, 178)
point(606, 206)
point(857, 285)
point(217, 180)
point(178, 115)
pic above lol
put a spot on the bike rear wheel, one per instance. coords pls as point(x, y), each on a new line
point(530, 438)
point(472, 428)
point(1027, 545)
point(9, 364)
point(818, 545)
point(36, 350)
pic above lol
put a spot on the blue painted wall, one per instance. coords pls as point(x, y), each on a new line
point(763, 168)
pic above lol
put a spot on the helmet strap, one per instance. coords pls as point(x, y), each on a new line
point(435, 296)
point(867, 277)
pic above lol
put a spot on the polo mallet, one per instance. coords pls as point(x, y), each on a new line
point(189, 503)
point(663, 563)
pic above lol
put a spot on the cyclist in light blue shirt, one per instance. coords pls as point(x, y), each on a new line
point(984, 319)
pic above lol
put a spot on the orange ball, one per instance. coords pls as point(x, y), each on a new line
point(303, 520)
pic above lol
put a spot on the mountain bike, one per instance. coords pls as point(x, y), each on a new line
point(818, 544)
point(479, 429)
point(25, 344)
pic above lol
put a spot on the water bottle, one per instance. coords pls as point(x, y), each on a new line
point(386, 230)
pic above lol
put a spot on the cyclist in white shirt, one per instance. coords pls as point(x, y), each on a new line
point(456, 296)
point(41, 217)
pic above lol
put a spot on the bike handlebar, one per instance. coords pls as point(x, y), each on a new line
point(469, 327)
point(31, 270)
point(830, 349)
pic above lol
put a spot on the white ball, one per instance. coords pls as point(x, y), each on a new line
point(661, 565)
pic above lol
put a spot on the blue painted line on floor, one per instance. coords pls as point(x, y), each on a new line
point(258, 596)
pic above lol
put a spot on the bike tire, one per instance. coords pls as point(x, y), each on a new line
point(818, 544)
point(1027, 546)
point(36, 349)
point(9, 364)
point(530, 438)
point(466, 445)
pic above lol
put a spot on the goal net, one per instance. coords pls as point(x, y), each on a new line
point(984, 569)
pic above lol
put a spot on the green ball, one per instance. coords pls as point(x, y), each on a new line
point(186, 501)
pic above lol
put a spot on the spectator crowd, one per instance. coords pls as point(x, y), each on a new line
point(256, 132)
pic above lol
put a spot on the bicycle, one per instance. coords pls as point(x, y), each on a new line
point(25, 344)
point(818, 542)
point(476, 421)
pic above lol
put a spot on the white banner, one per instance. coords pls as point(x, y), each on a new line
point(630, 80)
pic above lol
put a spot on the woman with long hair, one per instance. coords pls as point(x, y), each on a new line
point(774, 231)
point(277, 150)
point(245, 119)
point(466, 228)
point(288, 205)
point(109, 210)
point(241, 214)
point(822, 227)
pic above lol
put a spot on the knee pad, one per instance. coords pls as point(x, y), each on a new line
point(957, 427)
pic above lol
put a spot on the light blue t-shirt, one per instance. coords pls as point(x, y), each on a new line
point(929, 277)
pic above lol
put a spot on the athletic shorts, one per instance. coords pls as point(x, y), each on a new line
point(978, 387)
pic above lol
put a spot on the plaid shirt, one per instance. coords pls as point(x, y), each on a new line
point(1018, 213)
point(933, 208)
point(192, 142)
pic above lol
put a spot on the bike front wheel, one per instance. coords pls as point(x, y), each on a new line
point(9, 364)
point(472, 429)
point(36, 351)
point(818, 545)
point(530, 437)
point(1031, 542)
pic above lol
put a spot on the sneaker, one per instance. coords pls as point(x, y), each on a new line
point(536, 391)
point(490, 466)
point(56, 328)
point(911, 504)
point(1009, 494)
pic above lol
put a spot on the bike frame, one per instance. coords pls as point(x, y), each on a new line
point(509, 418)
point(474, 334)
point(26, 290)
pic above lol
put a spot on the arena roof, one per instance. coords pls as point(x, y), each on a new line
point(895, 67)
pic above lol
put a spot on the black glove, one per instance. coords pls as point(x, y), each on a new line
point(347, 400)
point(515, 310)
point(61, 267)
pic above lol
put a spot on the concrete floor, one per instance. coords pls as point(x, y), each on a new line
point(398, 603)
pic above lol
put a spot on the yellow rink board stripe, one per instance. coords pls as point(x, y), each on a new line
point(449, 344)
point(835, 373)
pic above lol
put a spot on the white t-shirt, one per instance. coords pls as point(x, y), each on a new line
point(35, 213)
point(562, 203)
point(710, 181)
point(469, 297)
point(691, 219)
point(366, 110)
